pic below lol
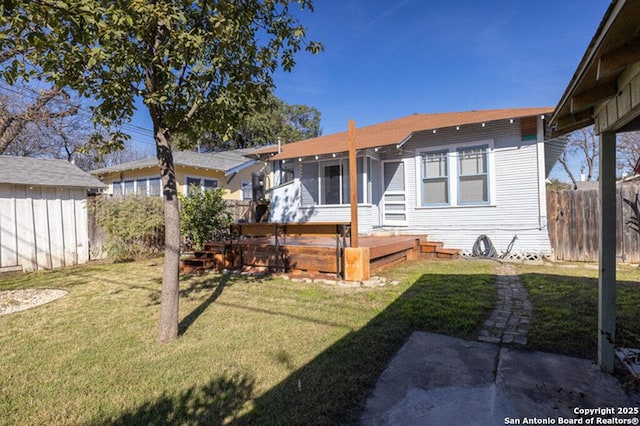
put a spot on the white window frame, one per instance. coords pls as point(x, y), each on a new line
point(487, 173)
point(423, 178)
point(454, 149)
point(135, 180)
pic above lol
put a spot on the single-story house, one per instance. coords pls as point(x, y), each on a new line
point(230, 170)
point(43, 214)
point(452, 176)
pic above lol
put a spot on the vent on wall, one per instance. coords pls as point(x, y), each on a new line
point(528, 128)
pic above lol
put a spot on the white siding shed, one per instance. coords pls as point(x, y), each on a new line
point(43, 213)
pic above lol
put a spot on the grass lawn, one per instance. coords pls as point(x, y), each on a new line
point(565, 307)
point(251, 351)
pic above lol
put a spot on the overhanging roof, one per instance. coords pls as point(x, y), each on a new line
point(44, 172)
point(395, 132)
point(606, 69)
point(225, 161)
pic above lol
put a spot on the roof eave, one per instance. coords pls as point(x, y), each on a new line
point(586, 117)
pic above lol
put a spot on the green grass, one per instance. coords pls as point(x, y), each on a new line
point(565, 308)
point(251, 351)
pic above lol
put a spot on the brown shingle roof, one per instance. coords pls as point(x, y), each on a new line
point(396, 131)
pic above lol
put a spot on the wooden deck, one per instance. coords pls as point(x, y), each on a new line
point(323, 253)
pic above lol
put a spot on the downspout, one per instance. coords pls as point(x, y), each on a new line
point(542, 190)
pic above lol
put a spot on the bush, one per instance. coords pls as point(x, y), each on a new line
point(134, 226)
point(203, 213)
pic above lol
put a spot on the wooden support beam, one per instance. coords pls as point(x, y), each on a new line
point(617, 60)
point(607, 253)
point(570, 122)
point(594, 96)
point(353, 183)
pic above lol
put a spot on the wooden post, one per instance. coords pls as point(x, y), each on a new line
point(607, 274)
point(353, 183)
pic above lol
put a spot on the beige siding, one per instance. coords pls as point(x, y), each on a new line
point(231, 183)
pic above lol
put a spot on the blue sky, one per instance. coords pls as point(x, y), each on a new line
point(387, 59)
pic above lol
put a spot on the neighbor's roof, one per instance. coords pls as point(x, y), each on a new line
point(225, 161)
point(44, 172)
point(397, 131)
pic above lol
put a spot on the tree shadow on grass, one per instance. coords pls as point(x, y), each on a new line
point(210, 404)
point(333, 387)
point(218, 284)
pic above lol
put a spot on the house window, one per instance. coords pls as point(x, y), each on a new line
point(435, 178)
point(141, 187)
point(205, 184)
point(210, 184)
point(286, 171)
point(155, 187)
point(129, 187)
point(117, 188)
point(327, 182)
point(473, 178)
point(247, 191)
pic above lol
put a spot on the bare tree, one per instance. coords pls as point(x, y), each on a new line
point(72, 138)
point(628, 147)
point(582, 146)
point(18, 111)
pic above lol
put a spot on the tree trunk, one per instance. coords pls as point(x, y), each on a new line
point(168, 329)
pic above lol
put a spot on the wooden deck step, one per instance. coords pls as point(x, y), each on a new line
point(430, 246)
point(446, 253)
point(192, 264)
point(206, 254)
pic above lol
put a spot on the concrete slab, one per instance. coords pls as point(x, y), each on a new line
point(439, 380)
point(555, 384)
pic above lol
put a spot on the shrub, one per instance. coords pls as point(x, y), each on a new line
point(203, 213)
point(134, 226)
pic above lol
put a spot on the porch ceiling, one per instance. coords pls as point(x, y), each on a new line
point(605, 76)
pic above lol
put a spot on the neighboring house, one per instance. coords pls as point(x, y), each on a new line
point(230, 170)
point(453, 176)
point(43, 213)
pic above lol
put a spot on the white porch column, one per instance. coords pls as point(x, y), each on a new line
point(607, 253)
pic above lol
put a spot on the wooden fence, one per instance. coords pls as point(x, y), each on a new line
point(573, 220)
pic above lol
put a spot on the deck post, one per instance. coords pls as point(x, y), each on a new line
point(353, 183)
point(607, 253)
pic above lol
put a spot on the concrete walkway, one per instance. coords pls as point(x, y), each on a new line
point(442, 380)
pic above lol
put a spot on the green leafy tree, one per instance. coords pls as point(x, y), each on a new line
point(192, 62)
point(275, 120)
point(202, 213)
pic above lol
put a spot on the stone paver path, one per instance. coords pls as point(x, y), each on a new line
point(509, 322)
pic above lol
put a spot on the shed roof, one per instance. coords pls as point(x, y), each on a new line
point(399, 130)
point(225, 161)
point(44, 172)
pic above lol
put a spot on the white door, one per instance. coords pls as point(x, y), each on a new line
point(394, 197)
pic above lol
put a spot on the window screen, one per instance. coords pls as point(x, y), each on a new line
point(473, 180)
point(435, 178)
